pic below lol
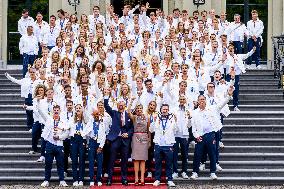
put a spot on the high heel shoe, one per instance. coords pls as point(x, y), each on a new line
point(142, 183)
point(136, 184)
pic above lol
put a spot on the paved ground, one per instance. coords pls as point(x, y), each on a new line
point(178, 187)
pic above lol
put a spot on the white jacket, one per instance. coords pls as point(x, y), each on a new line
point(87, 131)
point(170, 130)
point(26, 85)
point(212, 113)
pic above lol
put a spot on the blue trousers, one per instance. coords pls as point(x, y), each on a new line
point(93, 154)
point(159, 153)
point(36, 133)
point(29, 113)
point(256, 55)
point(115, 146)
point(208, 142)
point(66, 145)
point(78, 149)
point(52, 151)
point(27, 60)
point(183, 145)
point(205, 150)
point(237, 89)
point(238, 47)
point(43, 146)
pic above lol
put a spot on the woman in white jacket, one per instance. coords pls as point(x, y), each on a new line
point(78, 146)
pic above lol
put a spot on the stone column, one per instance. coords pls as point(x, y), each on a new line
point(3, 33)
point(166, 7)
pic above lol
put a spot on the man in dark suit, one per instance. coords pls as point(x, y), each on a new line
point(119, 135)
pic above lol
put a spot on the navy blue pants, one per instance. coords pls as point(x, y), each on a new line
point(208, 142)
point(115, 146)
point(183, 145)
point(27, 60)
point(78, 149)
point(167, 153)
point(93, 154)
point(66, 145)
point(237, 89)
point(36, 133)
point(217, 139)
point(43, 146)
point(106, 155)
point(29, 113)
point(238, 47)
point(256, 55)
point(51, 152)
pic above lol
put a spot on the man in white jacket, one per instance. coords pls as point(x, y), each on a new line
point(205, 121)
point(164, 139)
point(54, 132)
point(96, 131)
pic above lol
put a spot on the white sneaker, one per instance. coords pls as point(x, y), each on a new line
point(221, 145)
point(258, 67)
point(248, 67)
point(81, 183)
point(63, 184)
point(149, 175)
point(236, 109)
point(192, 144)
point(100, 183)
point(213, 176)
point(175, 175)
point(92, 184)
point(184, 175)
point(218, 167)
point(129, 159)
point(171, 184)
point(45, 184)
point(41, 159)
point(75, 183)
point(30, 131)
point(105, 175)
point(156, 183)
point(202, 167)
point(32, 152)
point(194, 176)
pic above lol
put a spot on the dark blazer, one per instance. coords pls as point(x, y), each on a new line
point(116, 126)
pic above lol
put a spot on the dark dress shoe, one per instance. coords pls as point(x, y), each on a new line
point(124, 182)
point(108, 183)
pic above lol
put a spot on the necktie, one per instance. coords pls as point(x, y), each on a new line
point(122, 119)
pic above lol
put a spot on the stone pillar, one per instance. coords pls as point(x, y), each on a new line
point(3, 33)
point(171, 6)
point(166, 7)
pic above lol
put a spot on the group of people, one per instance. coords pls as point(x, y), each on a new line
point(112, 89)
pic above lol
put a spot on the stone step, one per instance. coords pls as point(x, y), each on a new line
point(261, 91)
point(263, 97)
point(246, 134)
point(252, 107)
point(258, 86)
point(19, 101)
point(10, 91)
point(252, 149)
point(253, 121)
point(11, 107)
point(17, 76)
point(12, 121)
point(257, 114)
point(261, 102)
point(251, 128)
point(13, 71)
point(10, 96)
point(257, 76)
point(224, 173)
point(253, 141)
point(12, 114)
point(13, 128)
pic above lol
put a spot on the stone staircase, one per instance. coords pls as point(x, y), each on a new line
point(253, 138)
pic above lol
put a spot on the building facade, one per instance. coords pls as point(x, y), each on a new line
point(273, 9)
